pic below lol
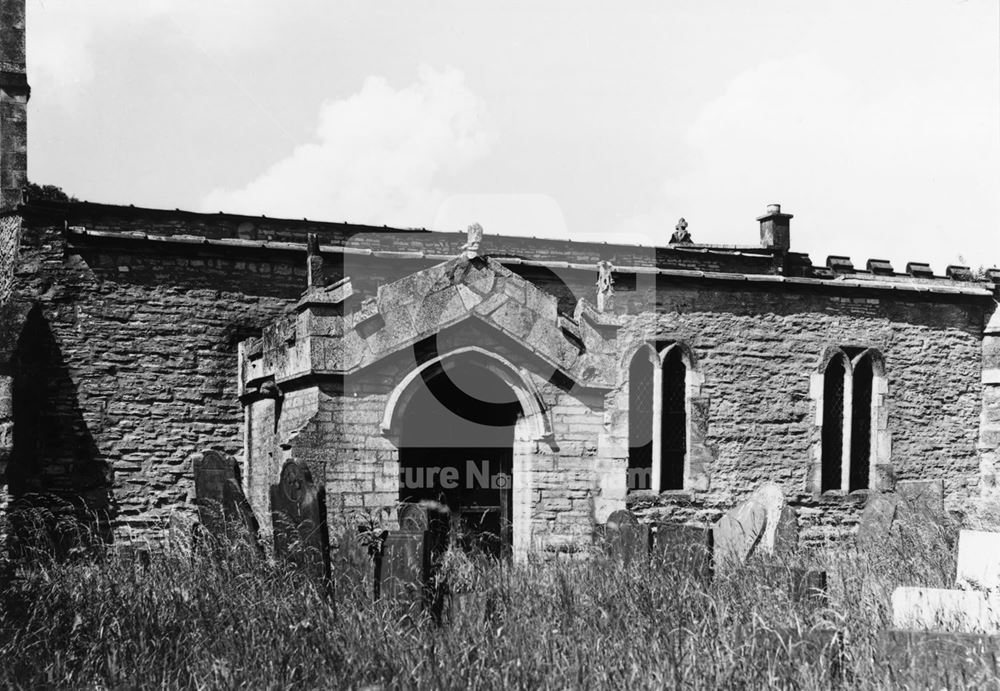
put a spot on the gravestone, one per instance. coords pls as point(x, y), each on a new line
point(299, 521)
point(625, 538)
point(403, 570)
point(417, 518)
point(219, 497)
point(978, 560)
point(914, 505)
point(413, 518)
point(688, 547)
point(942, 609)
point(738, 532)
point(785, 537)
point(877, 518)
point(763, 521)
point(922, 497)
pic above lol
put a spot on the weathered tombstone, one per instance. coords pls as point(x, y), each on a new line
point(915, 505)
point(417, 518)
point(941, 609)
point(922, 497)
point(772, 498)
point(688, 547)
point(625, 538)
point(403, 570)
point(738, 532)
point(785, 537)
point(978, 560)
point(413, 518)
point(219, 497)
point(877, 518)
point(299, 521)
point(764, 520)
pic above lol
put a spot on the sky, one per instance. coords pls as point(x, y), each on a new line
point(876, 123)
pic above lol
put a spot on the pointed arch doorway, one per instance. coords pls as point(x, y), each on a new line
point(456, 452)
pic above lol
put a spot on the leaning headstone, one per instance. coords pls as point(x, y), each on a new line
point(688, 547)
point(627, 539)
point(403, 570)
point(297, 515)
point(778, 516)
point(915, 505)
point(738, 532)
point(923, 497)
point(785, 536)
point(218, 496)
point(764, 520)
point(877, 518)
point(978, 560)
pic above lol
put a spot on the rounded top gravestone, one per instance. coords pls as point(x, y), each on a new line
point(413, 518)
point(622, 517)
point(294, 480)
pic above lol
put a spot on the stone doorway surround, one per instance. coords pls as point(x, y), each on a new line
point(318, 375)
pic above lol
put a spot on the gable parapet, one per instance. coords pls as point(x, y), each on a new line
point(331, 331)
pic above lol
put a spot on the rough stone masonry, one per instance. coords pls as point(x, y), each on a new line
point(527, 388)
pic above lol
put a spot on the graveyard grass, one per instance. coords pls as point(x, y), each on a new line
point(222, 616)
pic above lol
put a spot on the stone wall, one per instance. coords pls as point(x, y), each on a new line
point(142, 349)
point(10, 238)
point(756, 351)
point(14, 94)
point(140, 370)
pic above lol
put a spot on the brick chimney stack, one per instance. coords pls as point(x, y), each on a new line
point(14, 93)
point(774, 229)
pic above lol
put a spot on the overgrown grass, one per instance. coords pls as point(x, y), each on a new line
point(123, 618)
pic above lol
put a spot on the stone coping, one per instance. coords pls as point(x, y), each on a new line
point(839, 281)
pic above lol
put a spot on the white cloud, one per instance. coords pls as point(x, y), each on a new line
point(891, 172)
point(378, 156)
point(64, 35)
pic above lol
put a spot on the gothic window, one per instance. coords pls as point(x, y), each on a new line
point(833, 422)
point(660, 398)
point(673, 421)
point(640, 420)
point(861, 423)
point(854, 429)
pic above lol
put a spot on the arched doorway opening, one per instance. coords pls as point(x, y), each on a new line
point(456, 453)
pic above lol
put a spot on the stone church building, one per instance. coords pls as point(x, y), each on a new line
point(532, 386)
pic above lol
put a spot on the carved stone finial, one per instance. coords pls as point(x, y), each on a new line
point(681, 235)
point(605, 285)
point(471, 248)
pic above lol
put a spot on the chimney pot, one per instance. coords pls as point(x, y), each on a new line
point(775, 230)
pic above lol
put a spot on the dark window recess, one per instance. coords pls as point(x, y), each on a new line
point(833, 424)
point(673, 435)
point(640, 421)
point(861, 424)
